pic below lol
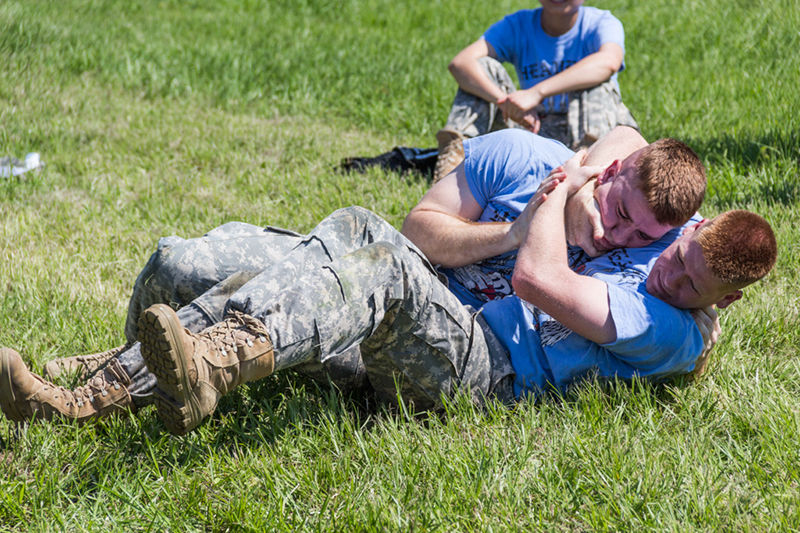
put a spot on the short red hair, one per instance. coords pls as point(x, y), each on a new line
point(739, 247)
point(673, 180)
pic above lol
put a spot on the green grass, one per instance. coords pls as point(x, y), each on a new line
point(169, 117)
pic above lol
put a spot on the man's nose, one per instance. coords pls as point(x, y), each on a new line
point(621, 233)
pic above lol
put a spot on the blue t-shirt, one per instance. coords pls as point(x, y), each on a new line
point(503, 171)
point(520, 40)
point(654, 339)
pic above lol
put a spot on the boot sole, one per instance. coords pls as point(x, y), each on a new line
point(7, 399)
point(161, 334)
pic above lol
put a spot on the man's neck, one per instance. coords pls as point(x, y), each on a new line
point(555, 25)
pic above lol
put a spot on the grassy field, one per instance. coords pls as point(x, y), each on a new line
point(171, 117)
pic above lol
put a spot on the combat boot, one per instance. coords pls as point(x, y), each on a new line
point(25, 396)
point(451, 152)
point(195, 370)
point(81, 366)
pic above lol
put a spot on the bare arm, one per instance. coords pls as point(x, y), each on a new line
point(470, 75)
point(542, 275)
point(618, 143)
point(443, 225)
point(590, 71)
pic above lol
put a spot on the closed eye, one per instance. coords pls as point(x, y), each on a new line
point(679, 255)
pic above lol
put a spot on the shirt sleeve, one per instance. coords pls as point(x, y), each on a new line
point(608, 29)
point(489, 163)
point(652, 336)
point(502, 35)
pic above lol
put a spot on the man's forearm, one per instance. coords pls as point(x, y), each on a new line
point(590, 71)
point(452, 242)
point(542, 276)
point(543, 251)
point(472, 79)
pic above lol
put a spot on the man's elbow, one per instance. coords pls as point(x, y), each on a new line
point(611, 63)
point(455, 66)
point(527, 284)
point(409, 226)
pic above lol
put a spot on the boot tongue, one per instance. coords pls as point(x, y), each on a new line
point(116, 373)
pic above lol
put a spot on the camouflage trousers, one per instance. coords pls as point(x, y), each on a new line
point(198, 276)
point(379, 293)
point(591, 112)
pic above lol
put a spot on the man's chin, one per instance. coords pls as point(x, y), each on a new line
point(603, 246)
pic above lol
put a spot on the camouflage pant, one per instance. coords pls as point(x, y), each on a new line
point(197, 276)
point(180, 271)
point(379, 293)
point(591, 113)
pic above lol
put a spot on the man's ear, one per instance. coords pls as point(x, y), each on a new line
point(694, 227)
point(609, 173)
point(729, 298)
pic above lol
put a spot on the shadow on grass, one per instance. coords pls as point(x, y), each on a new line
point(749, 170)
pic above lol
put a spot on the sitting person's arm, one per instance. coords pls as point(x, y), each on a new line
point(469, 74)
point(590, 71)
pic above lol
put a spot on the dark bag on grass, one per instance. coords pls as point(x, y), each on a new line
point(399, 159)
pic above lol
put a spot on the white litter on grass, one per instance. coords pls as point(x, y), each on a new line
point(11, 166)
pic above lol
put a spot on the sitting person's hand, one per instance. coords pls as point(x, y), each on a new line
point(520, 106)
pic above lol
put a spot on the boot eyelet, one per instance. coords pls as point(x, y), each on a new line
point(249, 342)
point(104, 393)
point(80, 404)
point(116, 386)
point(262, 339)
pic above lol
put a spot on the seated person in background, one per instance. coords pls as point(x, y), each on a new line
point(566, 56)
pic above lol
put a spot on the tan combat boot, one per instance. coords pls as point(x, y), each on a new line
point(25, 396)
point(81, 366)
point(195, 370)
point(451, 152)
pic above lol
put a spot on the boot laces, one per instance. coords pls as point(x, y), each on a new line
point(226, 337)
point(99, 385)
point(93, 362)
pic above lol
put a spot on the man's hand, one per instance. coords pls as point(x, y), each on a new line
point(583, 224)
point(519, 228)
point(520, 106)
point(573, 174)
point(707, 321)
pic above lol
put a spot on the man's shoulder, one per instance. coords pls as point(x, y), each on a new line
point(593, 14)
point(519, 23)
point(525, 16)
point(592, 18)
point(519, 138)
point(517, 150)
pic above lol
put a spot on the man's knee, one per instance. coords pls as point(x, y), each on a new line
point(497, 73)
point(356, 215)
